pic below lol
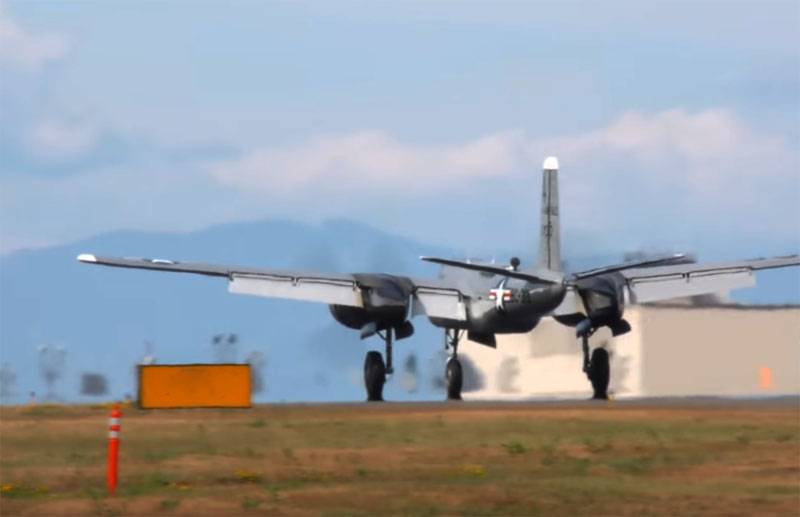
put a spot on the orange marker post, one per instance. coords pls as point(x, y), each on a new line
point(113, 448)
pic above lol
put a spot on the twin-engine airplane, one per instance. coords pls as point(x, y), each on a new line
point(483, 300)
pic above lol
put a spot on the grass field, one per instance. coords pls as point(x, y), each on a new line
point(409, 459)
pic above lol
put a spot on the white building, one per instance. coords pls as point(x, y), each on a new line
point(673, 350)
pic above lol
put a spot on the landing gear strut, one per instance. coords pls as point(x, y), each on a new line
point(453, 374)
point(375, 370)
point(597, 369)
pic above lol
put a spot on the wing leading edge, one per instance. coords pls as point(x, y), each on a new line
point(432, 298)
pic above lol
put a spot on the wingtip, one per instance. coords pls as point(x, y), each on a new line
point(87, 257)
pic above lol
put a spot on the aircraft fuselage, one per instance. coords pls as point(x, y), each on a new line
point(508, 309)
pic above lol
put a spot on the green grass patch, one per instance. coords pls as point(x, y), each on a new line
point(635, 466)
point(48, 410)
point(22, 491)
point(149, 484)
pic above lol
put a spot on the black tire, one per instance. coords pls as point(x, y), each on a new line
point(374, 376)
point(599, 373)
point(454, 379)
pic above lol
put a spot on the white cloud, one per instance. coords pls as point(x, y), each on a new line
point(57, 139)
point(699, 150)
point(25, 50)
point(371, 160)
point(677, 175)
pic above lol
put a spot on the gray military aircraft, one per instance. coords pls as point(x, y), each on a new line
point(481, 300)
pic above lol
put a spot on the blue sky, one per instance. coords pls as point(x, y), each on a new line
point(676, 123)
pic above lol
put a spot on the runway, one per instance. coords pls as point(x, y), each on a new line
point(787, 401)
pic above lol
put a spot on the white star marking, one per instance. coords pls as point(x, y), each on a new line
point(500, 295)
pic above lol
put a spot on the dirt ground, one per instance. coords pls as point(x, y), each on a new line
point(616, 458)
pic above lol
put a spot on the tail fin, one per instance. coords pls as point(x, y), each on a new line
point(550, 229)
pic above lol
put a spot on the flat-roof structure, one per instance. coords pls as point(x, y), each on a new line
point(673, 350)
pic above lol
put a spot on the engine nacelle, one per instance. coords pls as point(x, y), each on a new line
point(386, 302)
point(358, 317)
point(604, 301)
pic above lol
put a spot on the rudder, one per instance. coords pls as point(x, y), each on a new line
point(550, 229)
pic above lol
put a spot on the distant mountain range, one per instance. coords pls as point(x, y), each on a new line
point(104, 316)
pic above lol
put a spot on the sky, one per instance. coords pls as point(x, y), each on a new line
point(676, 123)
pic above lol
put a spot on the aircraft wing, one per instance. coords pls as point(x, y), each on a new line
point(432, 298)
point(649, 284)
point(678, 258)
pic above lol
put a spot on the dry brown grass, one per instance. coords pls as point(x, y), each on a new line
point(408, 459)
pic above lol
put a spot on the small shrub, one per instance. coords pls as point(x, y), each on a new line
point(634, 466)
point(249, 452)
point(180, 485)
point(549, 454)
point(245, 476)
point(274, 491)
point(514, 448)
point(597, 448)
point(170, 504)
point(251, 503)
point(477, 471)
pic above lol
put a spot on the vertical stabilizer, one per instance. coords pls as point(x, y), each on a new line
point(550, 229)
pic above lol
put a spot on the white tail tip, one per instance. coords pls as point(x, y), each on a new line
point(86, 257)
point(550, 163)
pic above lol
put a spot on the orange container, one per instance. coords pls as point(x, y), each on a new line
point(164, 386)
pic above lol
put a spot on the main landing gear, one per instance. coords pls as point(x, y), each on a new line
point(597, 369)
point(375, 371)
point(453, 374)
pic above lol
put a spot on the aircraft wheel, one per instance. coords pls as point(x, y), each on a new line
point(374, 376)
point(454, 378)
point(599, 373)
